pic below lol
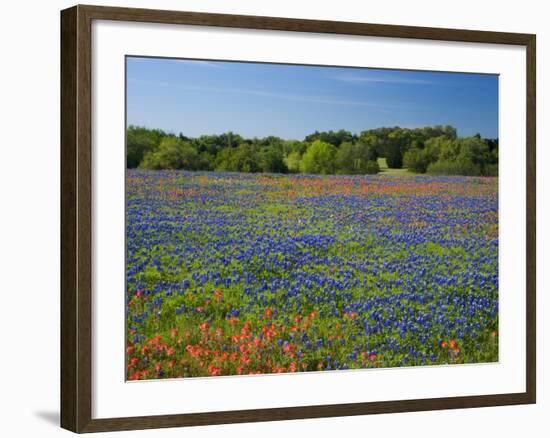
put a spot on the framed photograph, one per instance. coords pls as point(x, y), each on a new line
point(270, 218)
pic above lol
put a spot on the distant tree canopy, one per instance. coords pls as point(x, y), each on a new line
point(335, 138)
point(433, 149)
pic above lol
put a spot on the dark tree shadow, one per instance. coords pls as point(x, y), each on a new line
point(51, 417)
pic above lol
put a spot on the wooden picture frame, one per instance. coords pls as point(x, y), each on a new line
point(76, 217)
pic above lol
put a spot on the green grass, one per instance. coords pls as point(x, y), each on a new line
point(385, 170)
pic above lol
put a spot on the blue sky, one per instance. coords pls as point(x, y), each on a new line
point(289, 101)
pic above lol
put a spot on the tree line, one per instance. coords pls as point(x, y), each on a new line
point(433, 149)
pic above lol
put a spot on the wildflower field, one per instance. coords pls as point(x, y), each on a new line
point(235, 273)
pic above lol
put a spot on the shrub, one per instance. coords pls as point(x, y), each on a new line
point(416, 160)
point(372, 167)
point(140, 141)
point(355, 158)
point(172, 153)
point(319, 158)
point(292, 162)
point(394, 157)
point(243, 158)
point(490, 170)
point(445, 167)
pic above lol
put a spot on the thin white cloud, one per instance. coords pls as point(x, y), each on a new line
point(275, 95)
point(384, 79)
point(190, 62)
point(202, 63)
point(302, 98)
